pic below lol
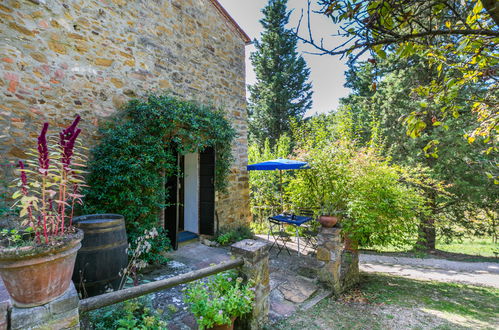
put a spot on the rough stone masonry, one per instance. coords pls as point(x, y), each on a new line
point(339, 267)
point(62, 58)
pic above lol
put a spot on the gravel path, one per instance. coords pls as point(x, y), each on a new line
point(476, 273)
point(433, 269)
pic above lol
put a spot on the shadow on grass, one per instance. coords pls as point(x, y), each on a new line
point(388, 302)
point(437, 254)
point(468, 301)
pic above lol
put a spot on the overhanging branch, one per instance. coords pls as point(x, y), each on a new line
point(407, 37)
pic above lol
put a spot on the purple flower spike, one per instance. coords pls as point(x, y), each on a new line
point(67, 141)
point(43, 150)
point(67, 133)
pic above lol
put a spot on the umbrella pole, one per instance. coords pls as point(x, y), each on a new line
point(280, 189)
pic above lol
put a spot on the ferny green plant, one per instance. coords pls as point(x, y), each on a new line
point(219, 299)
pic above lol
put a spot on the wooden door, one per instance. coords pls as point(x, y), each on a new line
point(207, 191)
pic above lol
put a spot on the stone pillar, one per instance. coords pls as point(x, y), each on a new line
point(340, 266)
point(256, 269)
point(5, 306)
point(61, 313)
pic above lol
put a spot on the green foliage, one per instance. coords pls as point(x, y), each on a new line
point(5, 180)
point(457, 37)
point(131, 314)
point(325, 186)
point(220, 298)
point(282, 91)
point(440, 147)
point(378, 208)
point(16, 238)
point(228, 235)
point(139, 146)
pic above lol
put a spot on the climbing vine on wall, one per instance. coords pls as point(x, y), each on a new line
point(140, 144)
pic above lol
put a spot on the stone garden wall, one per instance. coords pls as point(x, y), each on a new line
point(62, 58)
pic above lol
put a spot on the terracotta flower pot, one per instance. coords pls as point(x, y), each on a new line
point(36, 275)
point(329, 221)
point(224, 326)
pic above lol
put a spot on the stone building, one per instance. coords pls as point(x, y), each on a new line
point(88, 57)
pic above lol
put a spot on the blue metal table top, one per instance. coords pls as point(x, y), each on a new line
point(296, 220)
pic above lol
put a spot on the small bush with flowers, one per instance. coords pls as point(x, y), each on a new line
point(143, 245)
point(219, 299)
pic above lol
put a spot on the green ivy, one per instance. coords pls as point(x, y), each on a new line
point(139, 145)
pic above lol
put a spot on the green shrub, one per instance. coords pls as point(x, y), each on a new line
point(131, 314)
point(379, 207)
point(218, 299)
point(227, 236)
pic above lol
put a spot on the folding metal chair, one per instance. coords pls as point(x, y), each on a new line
point(309, 231)
point(276, 229)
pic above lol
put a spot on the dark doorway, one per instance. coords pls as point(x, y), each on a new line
point(174, 212)
point(207, 191)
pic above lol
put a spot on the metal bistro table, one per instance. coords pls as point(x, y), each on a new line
point(278, 222)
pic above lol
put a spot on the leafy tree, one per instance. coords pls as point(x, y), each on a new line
point(453, 35)
point(282, 91)
point(380, 111)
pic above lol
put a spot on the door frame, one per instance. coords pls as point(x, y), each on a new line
point(210, 225)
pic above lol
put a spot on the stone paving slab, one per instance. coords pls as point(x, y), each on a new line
point(298, 289)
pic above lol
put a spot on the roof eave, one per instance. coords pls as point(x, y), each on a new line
point(247, 40)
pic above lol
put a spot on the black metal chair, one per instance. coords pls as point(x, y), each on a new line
point(279, 234)
point(309, 230)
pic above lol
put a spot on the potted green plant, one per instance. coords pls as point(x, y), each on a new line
point(331, 214)
point(36, 262)
point(219, 300)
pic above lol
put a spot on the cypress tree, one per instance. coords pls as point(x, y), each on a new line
point(282, 92)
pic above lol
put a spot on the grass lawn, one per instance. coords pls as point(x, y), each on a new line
point(484, 247)
point(466, 249)
point(388, 302)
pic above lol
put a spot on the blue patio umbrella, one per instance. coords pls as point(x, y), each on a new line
point(279, 164)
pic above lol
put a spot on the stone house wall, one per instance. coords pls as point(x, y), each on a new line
point(88, 57)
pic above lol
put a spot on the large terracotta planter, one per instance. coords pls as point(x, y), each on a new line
point(36, 275)
point(224, 326)
point(329, 221)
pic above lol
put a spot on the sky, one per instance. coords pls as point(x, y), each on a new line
point(327, 72)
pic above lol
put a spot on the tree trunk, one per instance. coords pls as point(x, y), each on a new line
point(427, 233)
